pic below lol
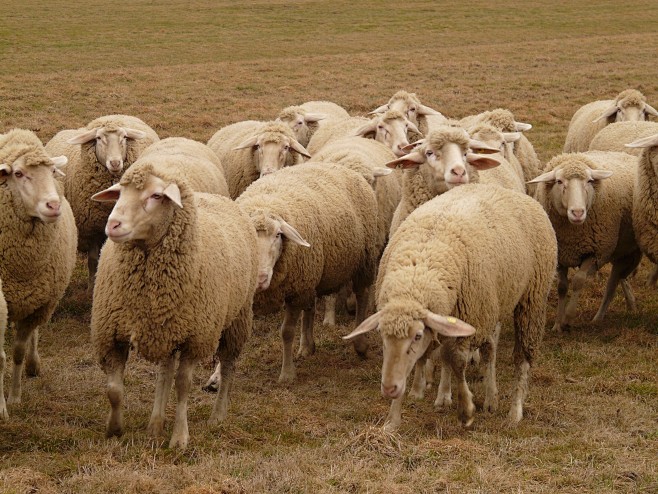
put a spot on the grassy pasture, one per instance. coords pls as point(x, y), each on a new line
point(188, 68)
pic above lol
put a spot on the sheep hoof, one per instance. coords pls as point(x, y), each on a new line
point(306, 351)
point(491, 404)
point(4, 415)
point(443, 400)
point(467, 422)
point(329, 321)
point(287, 377)
point(13, 399)
point(114, 430)
point(179, 442)
point(515, 415)
point(391, 426)
point(416, 394)
point(211, 387)
point(32, 368)
point(155, 427)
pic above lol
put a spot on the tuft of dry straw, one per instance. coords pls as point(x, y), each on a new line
point(375, 439)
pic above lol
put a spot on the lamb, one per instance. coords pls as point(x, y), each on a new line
point(97, 156)
point(424, 117)
point(454, 268)
point(4, 416)
point(38, 239)
point(442, 161)
point(330, 209)
point(305, 119)
point(176, 280)
point(251, 149)
point(615, 136)
point(629, 106)
point(589, 200)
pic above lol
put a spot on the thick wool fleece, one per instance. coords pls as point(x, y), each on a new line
point(477, 252)
point(36, 259)
point(240, 168)
point(191, 160)
point(582, 127)
point(85, 175)
point(334, 130)
point(335, 210)
point(645, 203)
point(613, 137)
point(607, 233)
point(182, 293)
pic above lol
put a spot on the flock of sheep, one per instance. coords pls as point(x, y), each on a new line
point(454, 222)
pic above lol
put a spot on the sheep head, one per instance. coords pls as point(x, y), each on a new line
point(391, 128)
point(629, 106)
point(408, 104)
point(301, 122)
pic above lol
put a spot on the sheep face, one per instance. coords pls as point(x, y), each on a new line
point(32, 184)
point(110, 145)
point(299, 124)
point(271, 151)
point(408, 104)
point(494, 138)
point(391, 129)
point(141, 214)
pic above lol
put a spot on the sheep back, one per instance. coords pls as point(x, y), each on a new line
point(613, 137)
point(645, 203)
point(334, 130)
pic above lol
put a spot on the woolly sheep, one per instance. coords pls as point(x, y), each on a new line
point(177, 279)
point(615, 136)
point(317, 230)
point(441, 161)
point(454, 268)
point(589, 200)
point(3, 356)
point(424, 117)
point(251, 149)
point(38, 239)
point(98, 154)
point(630, 105)
point(305, 119)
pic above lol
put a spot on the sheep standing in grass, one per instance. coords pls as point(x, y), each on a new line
point(317, 231)
point(38, 243)
point(176, 280)
point(589, 200)
point(305, 119)
point(3, 356)
point(454, 268)
point(98, 155)
point(630, 105)
point(251, 149)
point(422, 116)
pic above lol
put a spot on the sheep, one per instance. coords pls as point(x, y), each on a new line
point(305, 119)
point(442, 161)
point(98, 154)
point(589, 200)
point(38, 239)
point(4, 416)
point(424, 117)
point(390, 128)
point(629, 106)
point(615, 136)
point(176, 282)
point(317, 230)
point(456, 266)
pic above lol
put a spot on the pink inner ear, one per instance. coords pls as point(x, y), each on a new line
point(106, 196)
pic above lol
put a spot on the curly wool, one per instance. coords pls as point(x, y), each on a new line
point(333, 131)
point(36, 258)
point(645, 203)
point(606, 233)
point(183, 292)
point(615, 136)
point(630, 97)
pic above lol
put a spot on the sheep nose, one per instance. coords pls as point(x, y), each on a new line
point(389, 390)
point(115, 165)
point(53, 206)
point(458, 171)
point(577, 213)
point(266, 172)
point(113, 225)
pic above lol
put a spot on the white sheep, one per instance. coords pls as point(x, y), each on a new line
point(176, 280)
point(37, 244)
point(589, 200)
point(424, 117)
point(305, 119)
point(97, 156)
point(629, 105)
point(458, 265)
point(617, 135)
point(250, 149)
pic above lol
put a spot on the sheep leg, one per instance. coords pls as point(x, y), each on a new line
point(621, 270)
point(21, 339)
point(653, 277)
point(430, 365)
point(214, 381)
point(114, 368)
point(444, 393)
point(562, 289)
point(92, 266)
point(306, 340)
point(220, 408)
point(181, 436)
point(394, 417)
point(32, 360)
point(3, 362)
point(520, 392)
point(631, 304)
point(330, 310)
point(465, 405)
point(417, 391)
point(587, 268)
point(163, 384)
point(287, 336)
point(361, 342)
point(488, 352)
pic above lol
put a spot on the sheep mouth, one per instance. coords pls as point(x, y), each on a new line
point(118, 237)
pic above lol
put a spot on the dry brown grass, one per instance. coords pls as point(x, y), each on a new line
point(188, 68)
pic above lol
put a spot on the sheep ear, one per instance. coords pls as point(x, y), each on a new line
point(451, 327)
point(293, 235)
point(610, 111)
point(379, 171)
point(601, 174)
point(85, 136)
point(410, 147)
point(381, 109)
point(368, 325)
point(111, 194)
point(367, 130)
point(249, 143)
point(481, 162)
point(59, 161)
point(5, 170)
point(522, 127)
point(411, 160)
point(134, 134)
point(645, 142)
point(650, 110)
point(482, 148)
point(512, 136)
point(172, 191)
point(314, 117)
point(413, 127)
point(298, 148)
point(544, 177)
point(426, 110)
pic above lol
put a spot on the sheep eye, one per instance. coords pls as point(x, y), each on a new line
point(18, 174)
point(286, 148)
point(412, 109)
point(418, 337)
point(156, 196)
point(590, 181)
point(559, 182)
point(380, 127)
point(279, 235)
point(429, 152)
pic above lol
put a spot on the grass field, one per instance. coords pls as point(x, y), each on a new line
point(189, 68)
